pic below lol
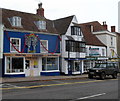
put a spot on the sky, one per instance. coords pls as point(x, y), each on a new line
point(85, 10)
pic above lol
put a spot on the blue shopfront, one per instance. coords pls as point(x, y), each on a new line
point(30, 54)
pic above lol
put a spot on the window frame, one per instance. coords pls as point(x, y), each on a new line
point(41, 41)
point(14, 45)
point(11, 65)
point(41, 24)
point(75, 46)
point(46, 64)
point(75, 30)
point(16, 21)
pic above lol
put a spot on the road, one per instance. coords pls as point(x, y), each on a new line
point(70, 90)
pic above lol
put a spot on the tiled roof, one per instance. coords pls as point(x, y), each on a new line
point(28, 20)
point(96, 26)
point(90, 38)
point(62, 24)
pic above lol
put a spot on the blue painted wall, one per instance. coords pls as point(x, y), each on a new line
point(51, 41)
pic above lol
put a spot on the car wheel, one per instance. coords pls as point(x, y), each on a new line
point(114, 75)
point(90, 76)
point(102, 76)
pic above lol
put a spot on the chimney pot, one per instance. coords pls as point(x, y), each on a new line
point(105, 25)
point(40, 10)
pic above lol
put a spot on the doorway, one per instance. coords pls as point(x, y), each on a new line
point(31, 67)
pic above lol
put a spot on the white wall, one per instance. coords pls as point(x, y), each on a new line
point(105, 38)
point(119, 17)
point(1, 40)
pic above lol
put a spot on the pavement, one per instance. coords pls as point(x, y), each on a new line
point(41, 78)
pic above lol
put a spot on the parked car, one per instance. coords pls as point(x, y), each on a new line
point(103, 69)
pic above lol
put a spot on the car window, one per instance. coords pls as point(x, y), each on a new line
point(100, 65)
point(110, 65)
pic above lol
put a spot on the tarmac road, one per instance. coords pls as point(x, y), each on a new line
point(69, 90)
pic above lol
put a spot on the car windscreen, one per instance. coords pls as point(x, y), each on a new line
point(98, 65)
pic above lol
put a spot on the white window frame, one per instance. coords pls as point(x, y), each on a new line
point(12, 46)
point(41, 47)
point(47, 64)
point(11, 64)
point(15, 21)
point(41, 25)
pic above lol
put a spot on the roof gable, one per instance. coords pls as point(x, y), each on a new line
point(62, 24)
point(90, 38)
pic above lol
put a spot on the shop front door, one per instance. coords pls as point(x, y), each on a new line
point(31, 68)
point(76, 68)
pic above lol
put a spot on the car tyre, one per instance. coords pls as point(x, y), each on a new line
point(102, 76)
point(114, 75)
point(90, 76)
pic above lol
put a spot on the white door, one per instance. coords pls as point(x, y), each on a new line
point(31, 68)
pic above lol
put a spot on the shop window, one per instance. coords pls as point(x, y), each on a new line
point(49, 64)
point(15, 44)
point(43, 46)
point(15, 21)
point(14, 65)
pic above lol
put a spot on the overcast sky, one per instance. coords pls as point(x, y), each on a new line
point(85, 10)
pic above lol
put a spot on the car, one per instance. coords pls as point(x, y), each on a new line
point(104, 69)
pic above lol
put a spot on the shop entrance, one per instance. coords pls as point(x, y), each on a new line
point(31, 67)
point(76, 68)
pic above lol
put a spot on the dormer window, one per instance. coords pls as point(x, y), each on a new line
point(41, 25)
point(15, 21)
point(75, 30)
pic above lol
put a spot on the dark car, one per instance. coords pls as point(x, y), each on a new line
point(103, 69)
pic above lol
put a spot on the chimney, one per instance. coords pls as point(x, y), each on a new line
point(113, 29)
point(40, 10)
point(105, 25)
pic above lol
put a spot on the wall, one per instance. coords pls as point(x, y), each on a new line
point(105, 37)
point(1, 47)
point(52, 39)
point(119, 16)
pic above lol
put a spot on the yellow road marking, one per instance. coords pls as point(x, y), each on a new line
point(54, 84)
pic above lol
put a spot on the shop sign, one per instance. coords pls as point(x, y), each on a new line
point(94, 51)
point(31, 55)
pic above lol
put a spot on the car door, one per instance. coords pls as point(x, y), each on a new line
point(110, 68)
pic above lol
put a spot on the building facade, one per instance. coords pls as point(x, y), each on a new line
point(31, 44)
point(72, 45)
point(95, 49)
point(108, 38)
